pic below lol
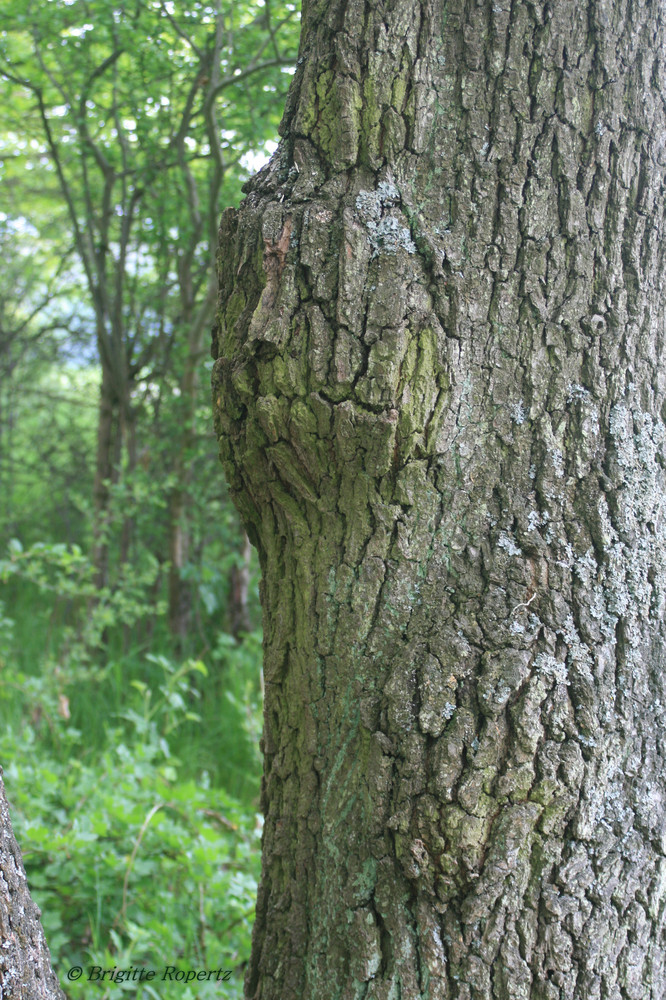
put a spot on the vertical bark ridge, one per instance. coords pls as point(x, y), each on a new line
point(439, 395)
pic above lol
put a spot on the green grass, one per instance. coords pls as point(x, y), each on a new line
point(133, 785)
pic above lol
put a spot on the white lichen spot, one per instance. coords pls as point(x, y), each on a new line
point(576, 391)
point(579, 652)
point(637, 584)
point(370, 204)
point(620, 423)
point(567, 556)
point(558, 462)
point(585, 567)
point(549, 667)
point(387, 234)
point(518, 412)
point(507, 543)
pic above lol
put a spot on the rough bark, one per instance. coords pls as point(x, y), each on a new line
point(439, 395)
point(25, 963)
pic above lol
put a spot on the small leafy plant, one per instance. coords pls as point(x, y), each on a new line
point(134, 862)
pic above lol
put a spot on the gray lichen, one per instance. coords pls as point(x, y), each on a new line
point(386, 232)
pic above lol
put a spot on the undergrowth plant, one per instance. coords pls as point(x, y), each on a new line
point(136, 858)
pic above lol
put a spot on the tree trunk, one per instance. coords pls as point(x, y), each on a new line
point(239, 587)
point(25, 963)
point(439, 392)
point(127, 443)
point(107, 437)
point(179, 541)
point(180, 502)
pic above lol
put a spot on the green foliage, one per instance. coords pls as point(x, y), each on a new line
point(124, 133)
point(130, 751)
point(132, 861)
point(219, 731)
point(68, 574)
point(47, 475)
point(49, 486)
point(132, 93)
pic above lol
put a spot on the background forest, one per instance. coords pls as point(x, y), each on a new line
point(130, 645)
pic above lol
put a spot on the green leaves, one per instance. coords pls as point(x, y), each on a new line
point(124, 132)
point(132, 870)
point(140, 104)
point(134, 862)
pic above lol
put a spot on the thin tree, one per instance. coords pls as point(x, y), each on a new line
point(439, 393)
point(129, 108)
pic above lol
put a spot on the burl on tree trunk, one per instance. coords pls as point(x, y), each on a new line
point(25, 963)
point(439, 394)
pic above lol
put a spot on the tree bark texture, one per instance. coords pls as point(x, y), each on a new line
point(25, 963)
point(439, 396)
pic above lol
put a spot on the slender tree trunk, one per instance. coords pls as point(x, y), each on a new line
point(197, 321)
point(439, 396)
point(127, 438)
point(179, 596)
point(180, 602)
point(107, 434)
point(25, 963)
point(7, 514)
point(239, 586)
